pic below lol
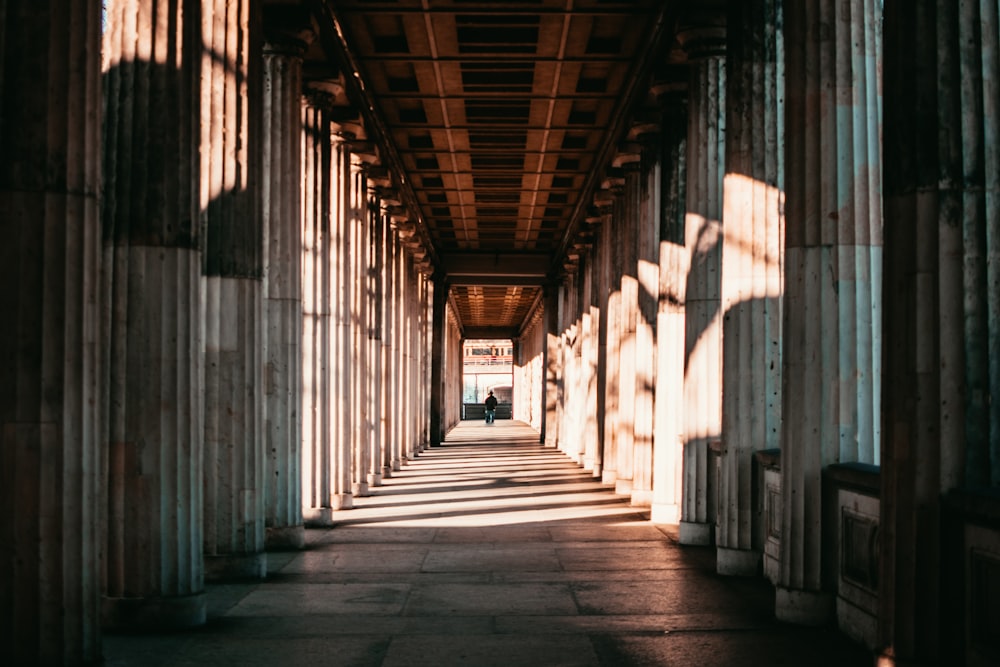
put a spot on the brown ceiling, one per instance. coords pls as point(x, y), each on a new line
point(500, 117)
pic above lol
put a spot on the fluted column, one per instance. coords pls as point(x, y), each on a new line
point(384, 382)
point(552, 366)
point(942, 325)
point(628, 228)
point(831, 355)
point(611, 307)
point(233, 289)
point(153, 558)
point(702, 395)
point(342, 290)
point(591, 441)
point(360, 385)
point(753, 215)
point(373, 344)
point(283, 279)
point(668, 450)
point(440, 330)
point(647, 240)
point(50, 398)
point(317, 446)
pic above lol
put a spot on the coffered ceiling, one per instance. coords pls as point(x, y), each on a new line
point(501, 117)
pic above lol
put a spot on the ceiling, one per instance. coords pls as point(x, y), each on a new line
point(495, 122)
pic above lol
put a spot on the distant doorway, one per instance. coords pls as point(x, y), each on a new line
point(487, 365)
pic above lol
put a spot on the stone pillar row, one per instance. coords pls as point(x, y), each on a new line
point(739, 300)
point(183, 259)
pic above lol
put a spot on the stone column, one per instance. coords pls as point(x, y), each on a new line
point(628, 228)
point(833, 262)
point(397, 347)
point(152, 272)
point(233, 291)
point(283, 221)
point(388, 402)
point(313, 502)
point(588, 381)
point(360, 296)
point(647, 240)
point(942, 325)
point(611, 306)
point(50, 397)
point(553, 365)
point(342, 290)
point(668, 450)
point(376, 319)
point(753, 219)
point(440, 330)
point(702, 397)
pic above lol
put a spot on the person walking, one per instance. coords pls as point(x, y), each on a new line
point(491, 408)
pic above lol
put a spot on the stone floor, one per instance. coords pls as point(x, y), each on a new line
point(491, 550)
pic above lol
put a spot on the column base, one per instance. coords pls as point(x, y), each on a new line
point(360, 489)
point(609, 477)
point(342, 501)
point(623, 487)
point(285, 538)
point(813, 608)
point(641, 498)
point(397, 465)
point(318, 517)
point(374, 479)
point(737, 562)
point(154, 614)
point(697, 534)
point(598, 470)
point(236, 567)
point(665, 513)
point(386, 472)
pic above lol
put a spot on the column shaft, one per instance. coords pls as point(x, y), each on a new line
point(360, 297)
point(703, 319)
point(831, 337)
point(283, 211)
point(942, 188)
point(611, 306)
point(342, 297)
point(50, 400)
point(751, 273)
point(152, 278)
point(233, 289)
point(629, 306)
point(648, 275)
point(668, 436)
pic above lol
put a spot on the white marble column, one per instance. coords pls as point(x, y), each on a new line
point(831, 356)
point(610, 304)
point(668, 450)
point(360, 298)
point(942, 326)
point(628, 228)
point(50, 398)
point(702, 394)
point(233, 290)
point(342, 290)
point(588, 379)
point(647, 240)
point(753, 219)
point(317, 445)
point(152, 271)
point(373, 343)
point(281, 195)
point(552, 365)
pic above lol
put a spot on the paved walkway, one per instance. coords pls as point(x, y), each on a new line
point(491, 551)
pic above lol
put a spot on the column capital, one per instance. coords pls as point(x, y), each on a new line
point(702, 34)
point(288, 30)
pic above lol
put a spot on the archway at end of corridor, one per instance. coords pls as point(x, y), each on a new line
point(487, 366)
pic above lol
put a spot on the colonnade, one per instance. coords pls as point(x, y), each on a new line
point(217, 327)
point(222, 324)
point(737, 248)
